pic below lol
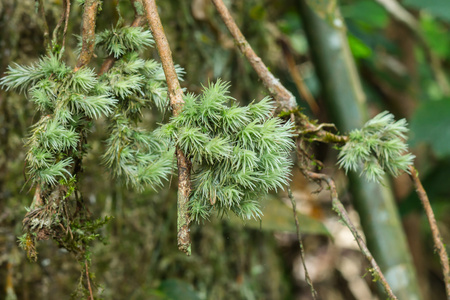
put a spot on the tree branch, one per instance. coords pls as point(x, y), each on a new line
point(443, 256)
point(64, 18)
point(296, 76)
point(286, 101)
point(176, 102)
point(342, 212)
point(88, 33)
point(66, 22)
point(91, 294)
point(41, 11)
point(302, 250)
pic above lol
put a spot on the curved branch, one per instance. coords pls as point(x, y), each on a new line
point(443, 256)
point(300, 242)
point(342, 212)
point(41, 11)
point(285, 99)
point(176, 101)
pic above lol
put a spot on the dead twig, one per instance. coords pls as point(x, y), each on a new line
point(41, 11)
point(88, 33)
point(297, 77)
point(60, 21)
point(64, 18)
point(285, 99)
point(300, 242)
point(66, 22)
point(176, 101)
point(342, 212)
point(443, 256)
point(88, 280)
point(317, 133)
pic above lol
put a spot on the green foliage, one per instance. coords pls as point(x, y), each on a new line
point(23, 77)
point(377, 148)
point(430, 125)
point(238, 153)
point(438, 8)
point(64, 97)
point(67, 102)
point(121, 40)
point(132, 153)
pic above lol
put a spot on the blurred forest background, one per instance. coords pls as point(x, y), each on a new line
point(230, 259)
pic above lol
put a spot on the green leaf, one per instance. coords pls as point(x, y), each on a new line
point(358, 48)
point(174, 289)
point(367, 13)
point(430, 124)
point(438, 8)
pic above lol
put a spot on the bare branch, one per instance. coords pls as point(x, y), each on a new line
point(88, 280)
point(60, 21)
point(41, 11)
point(342, 212)
point(176, 102)
point(285, 99)
point(302, 250)
point(64, 18)
point(443, 256)
point(297, 77)
point(88, 33)
point(66, 22)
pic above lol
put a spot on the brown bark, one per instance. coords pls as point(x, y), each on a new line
point(88, 33)
point(286, 101)
point(443, 256)
point(342, 212)
point(176, 101)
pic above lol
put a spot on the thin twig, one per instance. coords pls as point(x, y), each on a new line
point(41, 11)
point(139, 19)
point(88, 280)
point(316, 132)
point(176, 102)
point(66, 22)
point(64, 18)
point(300, 242)
point(297, 77)
point(88, 33)
point(285, 99)
point(342, 212)
point(443, 256)
point(60, 21)
point(407, 19)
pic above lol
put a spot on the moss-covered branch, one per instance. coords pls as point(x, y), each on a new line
point(88, 33)
point(176, 101)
